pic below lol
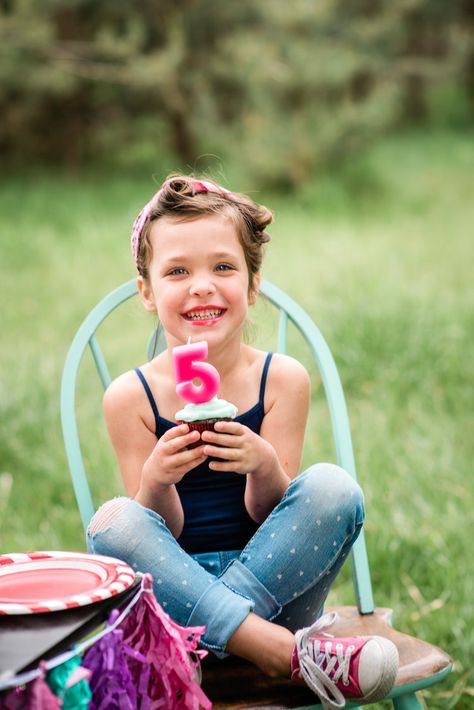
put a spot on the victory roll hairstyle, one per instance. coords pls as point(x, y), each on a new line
point(187, 198)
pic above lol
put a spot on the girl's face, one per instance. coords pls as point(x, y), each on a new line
point(199, 281)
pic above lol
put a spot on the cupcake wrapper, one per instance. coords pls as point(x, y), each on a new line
point(202, 425)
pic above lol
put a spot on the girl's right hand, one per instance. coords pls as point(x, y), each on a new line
point(170, 460)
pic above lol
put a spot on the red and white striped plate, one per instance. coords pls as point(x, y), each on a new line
point(36, 582)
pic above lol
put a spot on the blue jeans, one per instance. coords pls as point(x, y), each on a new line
point(283, 574)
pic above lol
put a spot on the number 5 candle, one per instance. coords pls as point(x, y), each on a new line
point(187, 363)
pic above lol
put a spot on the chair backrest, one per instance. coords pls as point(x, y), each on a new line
point(289, 311)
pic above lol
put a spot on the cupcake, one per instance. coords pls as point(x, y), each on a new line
point(202, 417)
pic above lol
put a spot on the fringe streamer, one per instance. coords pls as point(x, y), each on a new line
point(37, 695)
point(173, 682)
point(111, 682)
point(70, 683)
point(142, 661)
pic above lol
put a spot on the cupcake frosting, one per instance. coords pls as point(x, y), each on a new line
point(213, 409)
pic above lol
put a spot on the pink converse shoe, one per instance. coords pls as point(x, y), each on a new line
point(360, 668)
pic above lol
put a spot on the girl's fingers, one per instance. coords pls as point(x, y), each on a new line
point(229, 428)
point(189, 456)
point(181, 440)
point(222, 453)
point(227, 440)
point(222, 466)
point(175, 431)
point(182, 470)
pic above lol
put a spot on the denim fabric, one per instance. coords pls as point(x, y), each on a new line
point(283, 574)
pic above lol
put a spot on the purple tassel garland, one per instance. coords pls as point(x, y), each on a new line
point(111, 683)
point(147, 663)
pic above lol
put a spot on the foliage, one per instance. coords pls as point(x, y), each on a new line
point(277, 90)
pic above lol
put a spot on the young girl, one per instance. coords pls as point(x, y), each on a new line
point(234, 538)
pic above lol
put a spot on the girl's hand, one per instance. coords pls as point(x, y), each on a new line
point(170, 460)
point(241, 450)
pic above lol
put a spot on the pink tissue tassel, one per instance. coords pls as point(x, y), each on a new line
point(35, 696)
point(173, 683)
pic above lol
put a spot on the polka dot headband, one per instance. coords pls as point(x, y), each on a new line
point(143, 217)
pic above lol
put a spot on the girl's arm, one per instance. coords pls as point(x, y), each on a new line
point(149, 468)
point(272, 459)
point(287, 397)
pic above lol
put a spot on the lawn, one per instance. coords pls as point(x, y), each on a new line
point(381, 256)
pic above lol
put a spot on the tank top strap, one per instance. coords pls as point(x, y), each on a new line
point(151, 399)
point(263, 381)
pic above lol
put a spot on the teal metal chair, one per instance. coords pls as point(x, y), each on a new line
point(421, 664)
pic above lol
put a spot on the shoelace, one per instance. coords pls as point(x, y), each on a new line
point(310, 667)
point(339, 663)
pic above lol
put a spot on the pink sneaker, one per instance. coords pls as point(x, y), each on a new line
point(361, 668)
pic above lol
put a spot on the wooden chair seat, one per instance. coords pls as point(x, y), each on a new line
point(233, 683)
point(418, 659)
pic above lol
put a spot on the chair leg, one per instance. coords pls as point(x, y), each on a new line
point(407, 702)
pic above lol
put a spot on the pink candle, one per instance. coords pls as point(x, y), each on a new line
point(188, 366)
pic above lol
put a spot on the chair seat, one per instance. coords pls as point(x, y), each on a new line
point(418, 659)
point(233, 683)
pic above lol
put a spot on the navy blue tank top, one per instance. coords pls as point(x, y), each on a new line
point(215, 517)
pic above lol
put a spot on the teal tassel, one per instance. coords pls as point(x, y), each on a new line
point(77, 695)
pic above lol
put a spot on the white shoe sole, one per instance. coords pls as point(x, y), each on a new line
point(389, 674)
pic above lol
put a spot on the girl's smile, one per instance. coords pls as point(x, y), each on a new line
point(204, 315)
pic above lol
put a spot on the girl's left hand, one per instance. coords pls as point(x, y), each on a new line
point(241, 450)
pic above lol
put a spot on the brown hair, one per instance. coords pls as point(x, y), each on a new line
point(189, 198)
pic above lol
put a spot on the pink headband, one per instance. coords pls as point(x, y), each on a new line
point(141, 220)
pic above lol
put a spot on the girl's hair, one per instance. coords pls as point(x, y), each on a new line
point(187, 198)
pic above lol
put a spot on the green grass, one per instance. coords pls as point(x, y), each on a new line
point(381, 256)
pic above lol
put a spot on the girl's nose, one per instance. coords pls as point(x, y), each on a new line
point(202, 285)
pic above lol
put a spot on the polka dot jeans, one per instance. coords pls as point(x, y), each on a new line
point(283, 574)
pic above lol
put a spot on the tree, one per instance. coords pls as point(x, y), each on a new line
point(282, 88)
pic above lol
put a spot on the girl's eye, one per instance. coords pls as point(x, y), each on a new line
point(223, 267)
point(179, 271)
